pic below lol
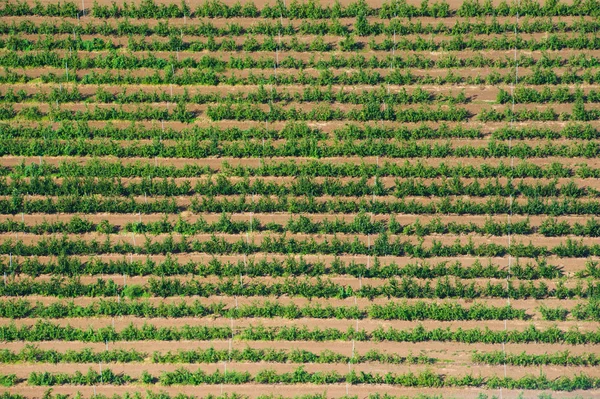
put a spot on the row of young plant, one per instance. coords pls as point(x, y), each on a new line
point(301, 287)
point(423, 379)
point(289, 266)
point(562, 358)
point(579, 113)
point(307, 167)
point(119, 60)
point(309, 148)
point(581, 311)
point(349, 43)
point(314, 10)
point(362, 27)
point(258, 96)
point(361, 224)
point(309, 186)
point(33, 354)
point(92, 377)
point(291, 130)
point(370, 111)
point(183, 376)
point(300, 376)
point(306, 10)
point(447, 311)
point(211, 77)
point(47, 331)
point(178, 113)
point(526, 95)
point(308, 205)
point(383, 244)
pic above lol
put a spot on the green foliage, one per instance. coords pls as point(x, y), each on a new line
point(391, 311)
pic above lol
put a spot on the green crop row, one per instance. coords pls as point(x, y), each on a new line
point(362, 27)
point(33, 354)
point(210, 77)
point(46, 331)
point(582, 311)
point(526, 95)
point(260, 95)
point(369, 111)
point(361, 224)
point(308, 167)
point(308, 205)
point(106, 376)
point(68, 130)
point(349, 43)
point(298, 148)
point(579, 113)
point(15, 309)
point(292, 130)
point(564, 358)
point(300, 287)
point(424, 379)
point(115, 169)
point(314, 10)
point(290, 266)
point(119, 61)
point(308, 186)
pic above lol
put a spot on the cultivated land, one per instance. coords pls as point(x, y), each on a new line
point(353, 199)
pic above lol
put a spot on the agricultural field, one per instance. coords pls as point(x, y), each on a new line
point(376, 199)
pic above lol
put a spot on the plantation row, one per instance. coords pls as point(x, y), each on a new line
point(208, 77)
point(392, 311)
point(16, 309)
point(361, 27)
point(361, 224)
point(307, 10)
point(310, 205)
point(68, 266)
point(309, 167)
point(46, 331)
point(120, 60)
point(383, 245)
point(261, 95)
point(294, 130)
point(304, 288)
point(370, 111)
point(297, 148)
point(309, 94)
point(223, 186)
point(563, 358)
point(32, 354)
point(301, 376)
point(175, 42)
